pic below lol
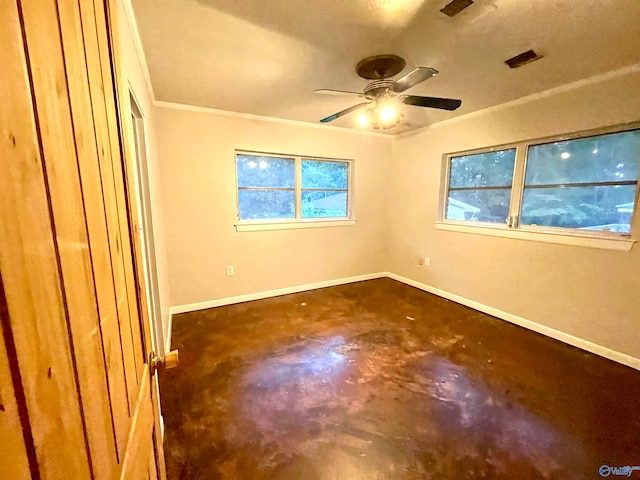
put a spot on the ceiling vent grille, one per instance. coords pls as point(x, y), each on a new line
point(455, 7)
point(522, 59)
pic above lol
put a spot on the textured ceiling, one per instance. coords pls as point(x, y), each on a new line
point(265, 57)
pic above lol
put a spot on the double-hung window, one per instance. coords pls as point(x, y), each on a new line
point(281, 191)
point(582, 185)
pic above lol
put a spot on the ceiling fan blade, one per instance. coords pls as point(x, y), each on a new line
point(330, 118)
point(328, 91)
point(431, 102)
point(413, 78)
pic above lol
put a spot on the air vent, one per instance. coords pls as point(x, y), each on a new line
point(454, 8)
point(522, 59)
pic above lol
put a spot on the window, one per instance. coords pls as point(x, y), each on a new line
point(324, 188)
point(583, 185)
point(266, 187)
point(587, 183)
point(480, 186)
point(286, 189)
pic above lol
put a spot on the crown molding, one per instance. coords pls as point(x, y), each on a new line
point(129, 12)
point(264, 118)
point(621, 72)
point(127, 7)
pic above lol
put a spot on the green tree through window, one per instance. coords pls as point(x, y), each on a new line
point(582, 183)
point(588, 182)
point(324, 189)
point(480, 186)
point(282, 187)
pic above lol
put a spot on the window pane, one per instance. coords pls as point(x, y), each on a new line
point(590, 208)
point(492, 169)
point(604, 158)
point(486, 205)
point(257, 171)
point(258, 204)
point(324, 174)
point(319, 204)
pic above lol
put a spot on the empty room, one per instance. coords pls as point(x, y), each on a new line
point(367, 239)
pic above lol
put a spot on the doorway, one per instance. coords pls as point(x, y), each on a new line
point(146, 229)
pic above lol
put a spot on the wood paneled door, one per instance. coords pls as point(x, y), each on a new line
point(76, 377)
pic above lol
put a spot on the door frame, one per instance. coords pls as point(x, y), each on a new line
point(146, 228)
point(145, 420)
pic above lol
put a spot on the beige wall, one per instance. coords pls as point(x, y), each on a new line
point(134, 71)
point(584, 292)
point(197, 174)
point(591, 294)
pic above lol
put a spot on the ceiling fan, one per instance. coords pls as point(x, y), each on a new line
point(384, 96)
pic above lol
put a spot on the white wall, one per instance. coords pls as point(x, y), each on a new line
point(197, 174)
point(589, 293)
point(135, 70)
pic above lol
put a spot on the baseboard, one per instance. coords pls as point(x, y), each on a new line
point(591, 347)
point(271, 293)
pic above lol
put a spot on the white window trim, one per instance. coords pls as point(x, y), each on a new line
point(257, 226)
point(555, 235)
point(299, 222)
point(607, 243)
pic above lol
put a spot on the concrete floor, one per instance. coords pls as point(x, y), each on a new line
point(378, 380)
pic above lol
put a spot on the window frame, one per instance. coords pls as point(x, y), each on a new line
point(298, 221)
point(447, 172)
point(512, 228)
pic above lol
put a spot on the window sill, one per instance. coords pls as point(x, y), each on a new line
point(589, 241)
point(256, 226)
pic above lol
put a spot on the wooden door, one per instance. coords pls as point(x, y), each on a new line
point(76, 382)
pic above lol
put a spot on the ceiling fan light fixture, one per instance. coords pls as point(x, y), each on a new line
point(388, 113)
point(363, 119)
point(391, 123)
point(383, 117)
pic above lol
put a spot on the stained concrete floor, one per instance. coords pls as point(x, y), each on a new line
point(378, 380)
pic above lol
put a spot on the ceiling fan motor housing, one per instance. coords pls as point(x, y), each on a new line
point(377, 88)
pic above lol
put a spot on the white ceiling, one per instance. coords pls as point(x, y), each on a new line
point(265, 57)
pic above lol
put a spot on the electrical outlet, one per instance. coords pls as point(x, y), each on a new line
point(230, 271)
point(426, 261)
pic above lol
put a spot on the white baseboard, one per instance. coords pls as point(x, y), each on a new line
point(272, 293)
point(622, 358)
